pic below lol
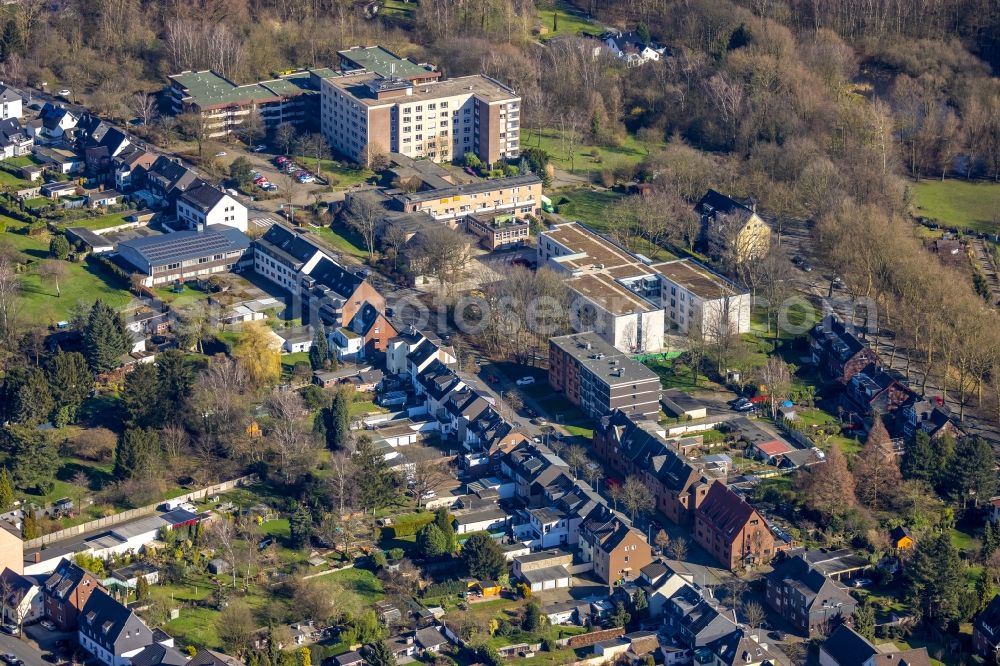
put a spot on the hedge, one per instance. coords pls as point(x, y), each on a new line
point(446, 588)
point(409, 527)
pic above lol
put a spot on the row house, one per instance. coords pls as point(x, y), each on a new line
point(806, 598)
point(633, 447)
point(930, 415)
point(838, 352)
point(66, 592)
point(532, 468)
point(694, 618)
point(876, 390)
point(618, 550)
point(731, 530)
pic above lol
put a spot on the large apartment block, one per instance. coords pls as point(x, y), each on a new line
point(225, 106)
point(598, 378)
point(517, 196)
point(630, 301)
point(364, 112)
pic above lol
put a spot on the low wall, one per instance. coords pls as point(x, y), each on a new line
point(131, 514)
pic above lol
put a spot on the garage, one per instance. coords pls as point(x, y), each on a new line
point(547, 578)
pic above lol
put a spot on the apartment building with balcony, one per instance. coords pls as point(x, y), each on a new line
point(225, 105)
point(364, 113)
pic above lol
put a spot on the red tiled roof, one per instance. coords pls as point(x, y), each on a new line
point(774, 447)
point(725, 510)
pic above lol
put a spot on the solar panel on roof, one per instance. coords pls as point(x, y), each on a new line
point(203, 242)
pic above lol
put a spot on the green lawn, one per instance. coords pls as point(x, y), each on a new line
point(958, 203)
point(186, 296)
point(102, 222)
point(344, 176)
point(354, 589)
point(37, 203)
point(587, 206)
point(288, 361)
point(346, 240)
point(13, 182)
point(561, 21)
point(21, 161)
point(630, 152)
point(83, 282)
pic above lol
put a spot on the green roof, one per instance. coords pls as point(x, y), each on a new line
point(208, 89)
point(382, 62)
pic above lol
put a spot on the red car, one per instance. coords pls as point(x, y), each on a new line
point(280, 160)
point(758, 399)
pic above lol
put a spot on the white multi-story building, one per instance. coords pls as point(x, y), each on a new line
point(10, 103)
point(203, 205)
point(632, 302)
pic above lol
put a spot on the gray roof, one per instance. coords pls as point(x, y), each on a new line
point(112, 625)
point(545, 574)
point(477, 187)
point(480, 516)
point(89, 237)
point(430, 637)
point(848, 648)
point(608, 364)
point(158, 655)
point(8, 94)
point(203, 196)
point(184, 245)
point(295, 245)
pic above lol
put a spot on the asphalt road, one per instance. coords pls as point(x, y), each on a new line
point(22, 649)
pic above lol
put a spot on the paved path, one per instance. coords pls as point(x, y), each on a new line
point(988, 266)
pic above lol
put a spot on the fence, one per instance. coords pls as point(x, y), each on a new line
point(125, 516)
point(584, 640)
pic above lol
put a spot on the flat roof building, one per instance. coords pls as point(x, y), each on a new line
point(599, 378)
point(384, 62)
point(632, 301)
point(185, 254)
point(367, 112)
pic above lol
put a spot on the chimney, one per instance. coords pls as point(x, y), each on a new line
point(37, 557)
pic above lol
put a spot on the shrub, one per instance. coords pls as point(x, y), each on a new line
point(549, 644)
point(607, 178)
point(396, 554)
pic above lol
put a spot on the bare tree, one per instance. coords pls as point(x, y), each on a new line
point(253, 129)
point(341, 481)
point(662, 540)
point(441, 252)
point(775, 375)
point(222, 536)
point(313, 146)
point(513, 400)
point(364, 212)
point(637, 497)
point(576, 457)
point(54, 270)
point(678, 548)
point(291, 437)
point(754, 614)
point(428, 475)
point(174, 440)
point(593, 473)
point(143, 105)
point(195, 127)
point(12, 606)
point(10, 297)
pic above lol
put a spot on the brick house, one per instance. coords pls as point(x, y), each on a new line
point(838, 351)
point(634, 447)
point(66, 592)
point(806, 598)
point(617, 550)
point(731, 530)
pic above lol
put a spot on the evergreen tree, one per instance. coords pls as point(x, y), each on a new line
point(319, 352)
point(621, 617)
point(141, 588)
point(483, 557)
point(971, 472)
point(6, 490)
point(176, 379)
point(141, 396)
point(443, 521)
point(919, 459)
point(989, 539)
point(639, 603)
point(337, 421)
point(34, 458)
point(431, 542)
point(105, 339)
point(377, 484)
point(300, 528)
point(26, 397)
point(934, 578)
point(532, 617)
point(30, 528)
point(379, 654)
point(136, 453)
point(864, 619)
point(984, 588)
point(69, 380)
point(59, 247)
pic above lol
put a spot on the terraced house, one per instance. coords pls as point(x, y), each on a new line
point(731, 530)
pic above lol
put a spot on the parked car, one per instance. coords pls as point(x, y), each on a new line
point(861, 582)
point(281, 159)
point(221, 153)
point(525, 381)
point(65, 92)
point(9, 628)
point(807, 267)
point(540, 421)
point(7, 657)
point(258, 149)
point(231, 192)
point(48, 624)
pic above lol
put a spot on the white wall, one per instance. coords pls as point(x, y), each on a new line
point(11, 110)
point(228, 212)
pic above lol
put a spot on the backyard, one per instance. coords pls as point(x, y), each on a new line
point(960, 204)
point(588, 158)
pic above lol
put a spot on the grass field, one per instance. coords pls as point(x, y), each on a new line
point(959, 204)
point(630, 152)
point(11, 181)
point(346, 240)
point(562, 20)
point(83, 282)
point(344, 176)
point(101, 222)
